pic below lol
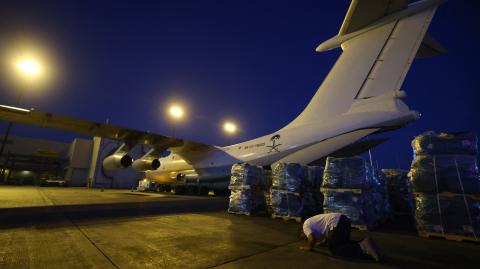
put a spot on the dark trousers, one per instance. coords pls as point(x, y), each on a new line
point(339, 241)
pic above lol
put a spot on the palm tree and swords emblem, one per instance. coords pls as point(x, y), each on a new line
point(274, 146)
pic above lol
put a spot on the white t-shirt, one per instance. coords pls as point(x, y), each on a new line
point(319, 225)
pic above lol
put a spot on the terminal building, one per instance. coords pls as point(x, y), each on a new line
point(32, 161)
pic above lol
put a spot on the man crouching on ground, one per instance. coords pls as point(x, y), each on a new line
point(333, 229)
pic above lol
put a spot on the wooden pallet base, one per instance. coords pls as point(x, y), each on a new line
point(450, 237)
point(287, 218)
point(240, 213)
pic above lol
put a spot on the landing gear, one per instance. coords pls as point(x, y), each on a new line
point(179, 189)
point(203, 191)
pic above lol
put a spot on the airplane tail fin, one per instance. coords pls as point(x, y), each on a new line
point(379, 39)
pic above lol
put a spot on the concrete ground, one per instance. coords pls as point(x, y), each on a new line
point(86, 228)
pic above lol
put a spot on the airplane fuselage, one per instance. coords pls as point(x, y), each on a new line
point(302, 144)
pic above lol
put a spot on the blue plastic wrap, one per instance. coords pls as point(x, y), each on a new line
point(448, 173)
point(359, 207)
point(267, 178)
point(243, 174)
point(396, 180)
point(247, 189)
point(380, 194)
point(284, 203)
point(315, 177)
point(290, 177)
point(399, 193)
point(241, 201)
point(348, 173)
point(456, 214)
point(431, 143)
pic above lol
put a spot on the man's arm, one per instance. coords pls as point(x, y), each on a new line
point(310, 243)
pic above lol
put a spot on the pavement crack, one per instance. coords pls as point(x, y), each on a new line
point(92, 242)
point(251, 255)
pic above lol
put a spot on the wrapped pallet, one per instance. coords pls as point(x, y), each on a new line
point(291, 177)
point(399, 192)
point(358, 206)
point(315, 176)
point(267, 176)
point(315, 179)
point(291, 193)
point(246, 189)
point(445, 173)
point(447, 214)
point(446, 184)
point(459, 143)
point(351, 187)
point(294, 205)
point(380, 195)
point(241, 201)
point(244, 174)
point(346, 173)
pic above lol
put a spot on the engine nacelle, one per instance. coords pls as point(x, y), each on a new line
point(117, 161)
point(146, 164)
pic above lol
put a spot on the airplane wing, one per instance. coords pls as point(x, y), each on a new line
point(130, 137)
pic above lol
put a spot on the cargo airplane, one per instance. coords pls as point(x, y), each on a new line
point(360, 96)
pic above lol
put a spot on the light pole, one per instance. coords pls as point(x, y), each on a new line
point(28, 69)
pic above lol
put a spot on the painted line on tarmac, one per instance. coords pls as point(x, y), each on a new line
point(51, 203)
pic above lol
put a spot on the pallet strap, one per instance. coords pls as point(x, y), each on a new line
point(438, 194)
point(465, 199)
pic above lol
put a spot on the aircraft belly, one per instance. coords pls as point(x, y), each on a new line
point(323, 148)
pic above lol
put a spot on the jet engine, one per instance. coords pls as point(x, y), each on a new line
point(145, 164)
point(117, 161)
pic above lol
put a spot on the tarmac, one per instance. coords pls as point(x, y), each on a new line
point(86, 228)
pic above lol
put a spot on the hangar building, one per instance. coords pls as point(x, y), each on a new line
point(31, 161)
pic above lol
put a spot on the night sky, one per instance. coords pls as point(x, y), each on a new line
point(251, 61)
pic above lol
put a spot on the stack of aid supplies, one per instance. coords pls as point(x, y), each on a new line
point(445, 182)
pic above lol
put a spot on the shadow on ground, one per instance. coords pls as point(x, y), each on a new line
point(28, 216)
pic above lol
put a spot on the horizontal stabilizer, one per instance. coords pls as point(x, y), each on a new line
point(430, 48)
point(362, 13)
point(347, 33)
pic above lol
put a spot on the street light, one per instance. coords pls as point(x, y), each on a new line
point(28, 70)
point(176, 111)
point(230, 127)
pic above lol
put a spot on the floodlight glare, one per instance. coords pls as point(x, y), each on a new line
point(176, 111)
point(230, 127)
point(29, 67)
